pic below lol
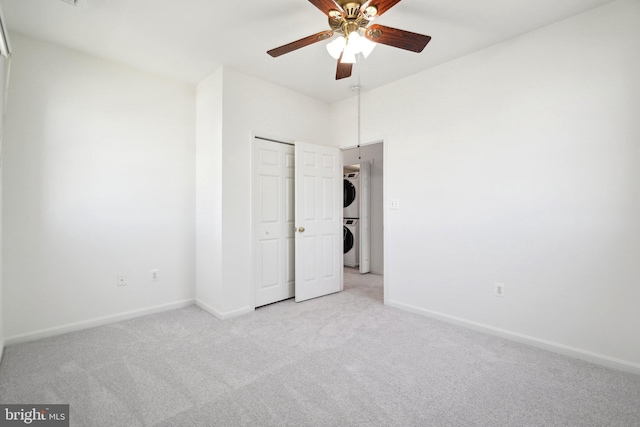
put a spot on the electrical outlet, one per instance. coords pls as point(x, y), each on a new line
point(395, 204)
point(122, 280)
point(498, 289)
point(154, 275)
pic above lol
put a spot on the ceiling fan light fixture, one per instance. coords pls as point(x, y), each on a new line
point(348, 56)
point(350, 19)
point(366, 46)
point(354, 42)
point(350, 47)
point(336, 47)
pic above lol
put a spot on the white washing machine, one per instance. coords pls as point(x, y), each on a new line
point(351, 195)
point(351, 239)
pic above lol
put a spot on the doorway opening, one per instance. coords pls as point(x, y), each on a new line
point(370, 156)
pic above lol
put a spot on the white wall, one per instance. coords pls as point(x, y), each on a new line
point(4, 68)
point(99, 173)
point(519, 164)
point(516, 164)
point(209, 192)
point(250, 107)
point(373, 154)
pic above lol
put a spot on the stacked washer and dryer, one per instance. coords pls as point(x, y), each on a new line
point(351, 215)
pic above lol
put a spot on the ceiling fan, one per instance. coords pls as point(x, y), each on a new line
point(351, 19)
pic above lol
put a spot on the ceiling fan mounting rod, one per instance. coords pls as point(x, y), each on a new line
point(352, 20)
point(351, 10)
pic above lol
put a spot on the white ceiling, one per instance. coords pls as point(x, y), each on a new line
point(188, 39)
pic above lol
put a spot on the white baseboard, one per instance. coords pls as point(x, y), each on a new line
point(224, 316)
point(212, 311)
point(99, 321)
point(577, 353)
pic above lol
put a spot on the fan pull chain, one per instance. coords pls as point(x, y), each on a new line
point(357, 88)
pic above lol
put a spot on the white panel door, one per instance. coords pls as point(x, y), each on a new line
point(273, 221)
point(318, 219)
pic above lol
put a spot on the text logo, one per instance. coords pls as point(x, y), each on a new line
point(34, 415)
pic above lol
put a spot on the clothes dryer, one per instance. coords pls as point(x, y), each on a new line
point(351, 238)
point(351, 195)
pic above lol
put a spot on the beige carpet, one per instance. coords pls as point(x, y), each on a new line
point(341, 360)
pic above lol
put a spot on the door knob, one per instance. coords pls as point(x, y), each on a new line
point(301, 229)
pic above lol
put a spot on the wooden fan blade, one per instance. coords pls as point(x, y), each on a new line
point(344, 70)
point(397, 38)
point(300, 43)
point(381, 5)
point(327, 5)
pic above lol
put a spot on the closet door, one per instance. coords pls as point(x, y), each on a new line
point(318, 213)
point(302, 258)
point(273, 226)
